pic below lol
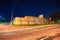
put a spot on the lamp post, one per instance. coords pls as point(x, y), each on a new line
point(13, 9)
point(12, 16)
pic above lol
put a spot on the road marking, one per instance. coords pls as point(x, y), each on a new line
point(44, 38)
point(8, 33)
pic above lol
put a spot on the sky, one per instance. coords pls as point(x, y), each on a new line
point(23, 8)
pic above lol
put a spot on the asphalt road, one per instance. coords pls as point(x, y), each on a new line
point(34, 34)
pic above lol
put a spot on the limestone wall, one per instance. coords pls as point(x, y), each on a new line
point(29, 20)
point(16, 21)
point(24, 21)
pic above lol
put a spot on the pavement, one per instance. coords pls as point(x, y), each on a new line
point(33, 34)
point(11, 28)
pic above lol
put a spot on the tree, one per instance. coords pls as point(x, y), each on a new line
point(2, 19)
point(55, 16)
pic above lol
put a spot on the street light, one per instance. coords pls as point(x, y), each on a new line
point(16, 1)
point(12, 16)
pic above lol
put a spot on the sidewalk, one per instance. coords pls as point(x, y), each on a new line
point(12, 28)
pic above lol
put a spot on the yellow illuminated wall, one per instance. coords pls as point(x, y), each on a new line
point(29, 20)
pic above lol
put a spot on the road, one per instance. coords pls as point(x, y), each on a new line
point(34, 34)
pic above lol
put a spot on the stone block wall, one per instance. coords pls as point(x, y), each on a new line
point(29, 20)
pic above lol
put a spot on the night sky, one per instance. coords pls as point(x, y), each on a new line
point(28, 7)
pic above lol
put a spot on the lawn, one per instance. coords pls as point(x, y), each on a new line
point(32, 24)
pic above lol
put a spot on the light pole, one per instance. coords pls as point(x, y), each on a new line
point(12, 16)
point(14, 7)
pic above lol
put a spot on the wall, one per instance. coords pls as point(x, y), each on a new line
point(29, 20)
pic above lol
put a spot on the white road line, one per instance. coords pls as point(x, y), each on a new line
point(44, 38)
point(8, 33)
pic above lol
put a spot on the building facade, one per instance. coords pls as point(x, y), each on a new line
point(30, 20)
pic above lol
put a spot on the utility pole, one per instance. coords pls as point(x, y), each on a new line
point(13, 10)
point(12, 16)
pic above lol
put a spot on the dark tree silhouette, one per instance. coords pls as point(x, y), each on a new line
point(2, 19)
point(55, 16)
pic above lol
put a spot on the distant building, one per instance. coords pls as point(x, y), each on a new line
point(30, 20)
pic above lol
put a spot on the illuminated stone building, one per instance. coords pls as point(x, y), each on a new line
point(30, 20)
